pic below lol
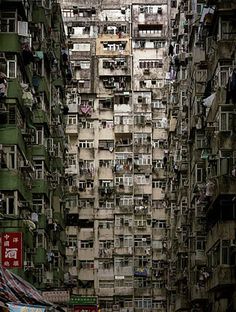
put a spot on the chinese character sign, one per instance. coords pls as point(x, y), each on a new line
point(12, 250)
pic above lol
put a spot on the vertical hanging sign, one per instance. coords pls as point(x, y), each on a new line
point(12, 250)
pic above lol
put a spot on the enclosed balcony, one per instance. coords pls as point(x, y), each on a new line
point(222, 277)
point(40, 256)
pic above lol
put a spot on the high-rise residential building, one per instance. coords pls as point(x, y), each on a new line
point(118, 155)
point(201, 164)
point(33, 73)
point(116, 223)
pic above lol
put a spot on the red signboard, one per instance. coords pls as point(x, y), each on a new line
point(85, 308)
point(12, 250)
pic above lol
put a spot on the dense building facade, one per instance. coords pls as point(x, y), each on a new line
point(33, 71)
point(117, 124)
point(201, 170)
point(137, 153)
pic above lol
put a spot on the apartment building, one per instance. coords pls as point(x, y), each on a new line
point(33, 73)
point(201, 164)
point(117, 128)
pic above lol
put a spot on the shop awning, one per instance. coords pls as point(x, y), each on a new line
point(14, 289)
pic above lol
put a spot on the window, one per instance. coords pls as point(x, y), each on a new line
point(107, 244)
point(142, 282)
point(123, 262)
point(106, 204)
point(85, 203)
point(227, 30)
point(106, 163)
point(158, 104)
point(86, 124)
point(71, 202)
point(72, 241)
point(106, 183)
point(142, 138)
point(12, 67)
point(106, 284)
point(123, 221)
point(8, 22)
point(71, 159)
point(225, 250)
point(126, 201)
point(86, 244)
point(124, 180)
point(226, 121)
point(39, 136)
point(106, 145)
point(142, 159)
point(173, 4)
point(143, 303)
point(81, 47)
point(124, 241)
point(151, 63)
point(38, 205)
point(86, 144)
point(123, 281)
point(199, 174)
point(39, 169)
point(159, 224)
point(158, 204)
point(158, 164)
point(105, 264)
point(71, 120)
point(142, 240)
point(105, 224)
point(159, 184)
point(86, 264)
point(160, 144)
point(8, 204)
point(106, 124)
point(141, 179)
point(160, 123)
point(11, 156)
point(200, 243)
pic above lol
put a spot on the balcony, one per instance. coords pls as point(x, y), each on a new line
point(41, 186)
point(10, 42)
point(198, 293)
point(123, 251)
point(123, 291)
point(40, 15)
point(40, 151)
point(58, 275)
point(11, 180)
point(72, 129)
point(14, 89)
point(181, 303)
point(222, 276)
point(42, 222)
point(40, 256)
point(142, 291)
point(59, 218)
point(106, 191)
point(40, 117)
point(86, 274)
